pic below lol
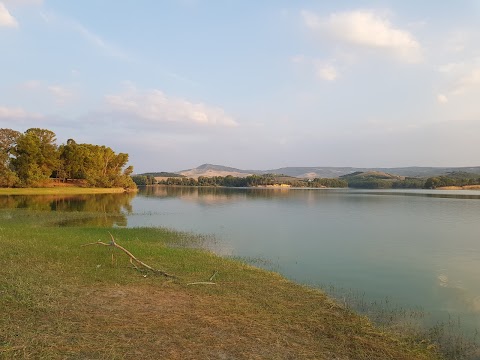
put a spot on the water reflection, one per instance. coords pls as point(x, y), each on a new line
point(221, 194)
point(100, 209)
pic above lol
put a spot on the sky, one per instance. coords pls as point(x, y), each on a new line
point(248, 84)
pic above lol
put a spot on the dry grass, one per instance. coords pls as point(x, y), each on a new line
point(61, 301)
point(466, 187)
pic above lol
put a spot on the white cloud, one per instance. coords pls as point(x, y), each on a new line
point(457, 41)
point(17, 113)
point(88, 35)
point(60, 93)
point(323, 70)
point(299, 59)
point(442, 99)
point(467, 81)
point(6, 19)
point(156, 107)
point(31, 85)
point(462, 77)
point(365, 28)
point(23, 2)
point(326, 72)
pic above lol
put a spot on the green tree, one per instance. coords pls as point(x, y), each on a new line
point(8, 140)
point(36, 156)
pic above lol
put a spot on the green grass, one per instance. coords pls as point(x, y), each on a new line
point(61, 300)
point(68, 190)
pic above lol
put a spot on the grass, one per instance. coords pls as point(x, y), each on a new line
point(71, 190)
point(450, 337)
point(60, 300)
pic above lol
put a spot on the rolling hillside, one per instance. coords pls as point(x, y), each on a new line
point(324, 172)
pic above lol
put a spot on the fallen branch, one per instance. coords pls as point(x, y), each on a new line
point(213, 276)
point(202, 283)
point(209, 282)
point(133, 259)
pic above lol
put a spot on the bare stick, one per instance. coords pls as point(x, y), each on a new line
point(132, 257)
point(213, 275)
point(202, 283)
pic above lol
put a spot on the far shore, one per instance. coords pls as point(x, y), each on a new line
point(466, 187)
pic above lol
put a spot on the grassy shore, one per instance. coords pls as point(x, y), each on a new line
point(61, 300)
point(67, 190)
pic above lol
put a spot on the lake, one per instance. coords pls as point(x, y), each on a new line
point(419, 248)
point(415, 248)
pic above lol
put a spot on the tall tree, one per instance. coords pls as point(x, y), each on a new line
point(36, 156)
point(8, 140)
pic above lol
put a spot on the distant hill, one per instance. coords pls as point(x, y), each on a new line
point(326, 172)
point(210, 170)
point(162, 174)
point(380, 180)
point(372, 175)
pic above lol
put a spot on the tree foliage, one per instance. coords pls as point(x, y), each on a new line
point(33, 159)
point(8, 141)
point(253, 180)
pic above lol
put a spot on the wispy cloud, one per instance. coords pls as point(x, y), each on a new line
point(23, 2)
point(467, 81)
point(6, 19)
point(326, 71)
point(368, 29)
point(442, 99)
point(463, 77)
point(60, 93)
point(156, 107)
point(323, 70)
point(11, 113)
point(87, 34)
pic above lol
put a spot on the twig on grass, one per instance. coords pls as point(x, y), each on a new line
point(133, 258)
point(202, 283)
point(213, 275)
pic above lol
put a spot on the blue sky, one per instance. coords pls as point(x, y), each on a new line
point(248, 84)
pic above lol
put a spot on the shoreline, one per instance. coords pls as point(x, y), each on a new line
point(248, 313)
point(465, 187)
point(70, 190)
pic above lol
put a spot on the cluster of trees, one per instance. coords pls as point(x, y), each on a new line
point(452, 180)
point(143, 180)
point(367, 182)
point(374, 183)
point(32, 159)
point(249, 181)
point(378, 182)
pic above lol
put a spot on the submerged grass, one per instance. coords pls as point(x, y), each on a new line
point(449, 337)
point(60, 300)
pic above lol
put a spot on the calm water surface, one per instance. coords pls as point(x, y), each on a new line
point(419, 248)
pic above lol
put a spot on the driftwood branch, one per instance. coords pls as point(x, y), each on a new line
point(133, 258)
point(202, 283)
point(213, 275)
point(209, 282)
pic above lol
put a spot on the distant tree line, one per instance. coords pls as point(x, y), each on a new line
point(351, 180)
point(452, 179)
point(249, 181)
point(33, 159)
